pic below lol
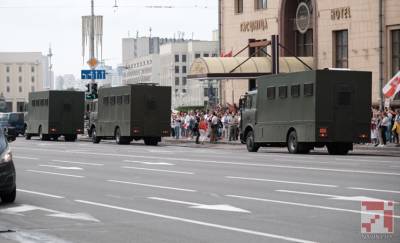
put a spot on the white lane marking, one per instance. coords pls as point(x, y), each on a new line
point(231, 163)
point(278, 181)
point(52, 173)
point(78, 163)
point(61, 167)
point(23, 157)
point(32, 237)
point(190, 221)
point(154, 186)
point(304, 205)
point(39, 193)
point(296, 160)
point(365, 160)
point(53, 213)
point(168, 171)
point(147, 163)
point(158, 151)
point(371, 189)
point(335, 197)
point(219, 207)
point(395, 166)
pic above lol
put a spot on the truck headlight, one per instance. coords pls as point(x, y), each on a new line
point(6, 157)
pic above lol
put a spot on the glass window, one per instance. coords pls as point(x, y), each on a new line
point(176, 69)
point(32, 69)
point(33, 79)
point(183, 58)
point(308, 89)
point(20, 69)
point(7, 69)
point(395, 55)
point(304, 43)
point(20, 79)
point(176, 58)
point(341, 49)
point(206, 55)
point(33, 89)
point(238, 6)
point(20, 89)
point(271, 93)
point(126, 99)
point(42, 102)
point(184, 81)
point(261, 4)
point(46, 102)
point(8, 79)
point(119, 100)
point(183, 90)
point(205, 92)
point(295, 90)
point(176, 80)
point(214, 55)
point(112, 100)
point(8, 89)
point(283, 92)
point(183, 69)
point(105, 100)
point(197, 55)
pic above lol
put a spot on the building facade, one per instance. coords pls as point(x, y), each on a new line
point(337, 34)
point(21, 73)
point(145, 69)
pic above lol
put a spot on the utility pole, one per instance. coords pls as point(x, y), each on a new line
point(50, 55)
point(91, 43)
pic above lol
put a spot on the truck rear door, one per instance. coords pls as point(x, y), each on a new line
point(344, 115)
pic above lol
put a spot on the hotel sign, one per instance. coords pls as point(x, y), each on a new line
point(340, 13)
point(303, 17)
point(254, 25)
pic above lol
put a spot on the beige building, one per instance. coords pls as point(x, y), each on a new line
point(21, 73)
point(337, 34)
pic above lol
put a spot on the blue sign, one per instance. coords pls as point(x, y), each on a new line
point(93, 74)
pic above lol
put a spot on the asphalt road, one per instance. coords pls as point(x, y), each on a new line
point(84, 192)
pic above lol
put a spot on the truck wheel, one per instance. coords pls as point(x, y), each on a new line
point(9, 197)
point(119, 139)
point(338, 148)
point(42, 136)
point(95, 139)
point(250, 144)
point(292, 143)
point(28, 136)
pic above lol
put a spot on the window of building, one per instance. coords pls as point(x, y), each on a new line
point(184, 81)
point(176, 69)
point(176, 91)
point(20, 69)
point(295, 90)
point(183, 58)
point(176, 58)
point(176, 80)
point(33, 79)
point(32, 69)
point(283, 92)
point(197, 55)
point(33, 89)
point(8, 79)
point(206, 55)
point(341, 49)
point(308, 89)
point(20, 89)
point(184, 91)
point(261, 4)
point(238, 6)
point(183, 69)
point(395, 55)
point(20, 79)
point(304, 43)
point(7, 69)
point(271, 93)
point(205, 92)
point(8, 89)
point(214, 55)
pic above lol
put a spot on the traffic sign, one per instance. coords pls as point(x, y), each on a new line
point(93, 74)
point(93, 63)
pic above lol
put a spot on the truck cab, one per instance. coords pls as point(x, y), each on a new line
point(248, 111)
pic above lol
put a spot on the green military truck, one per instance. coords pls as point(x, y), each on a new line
point(132, 112)
point(309, 109)
point(55, 113)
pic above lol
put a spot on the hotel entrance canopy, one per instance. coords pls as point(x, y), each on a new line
point(238, 68)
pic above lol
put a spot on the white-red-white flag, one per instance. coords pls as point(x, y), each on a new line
point(392, 87)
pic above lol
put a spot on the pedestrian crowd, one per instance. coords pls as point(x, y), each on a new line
point(221, 123)
point(385, 127)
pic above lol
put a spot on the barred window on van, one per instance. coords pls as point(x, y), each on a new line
point(271, 93)
point(283, 92)
point(105, 100)
point(308, 89)
point(119, 100)
point(112, 100)
point(126, 99)
point(295, 90)
point(42, 102)
point(46, 102)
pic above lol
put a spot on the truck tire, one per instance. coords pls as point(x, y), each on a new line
point(339, 148)
point(95, 139)
point(118, 138)
point(9, 197)
point(28, 136)
point(294, 147)
point(251, 145)
point(43, 137)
